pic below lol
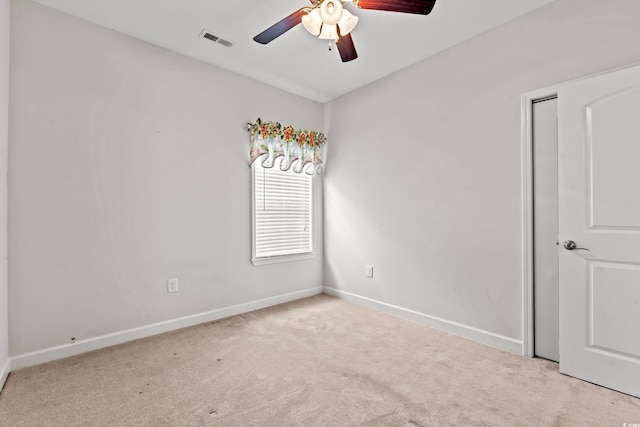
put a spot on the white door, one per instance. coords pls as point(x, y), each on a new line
point(599, 209)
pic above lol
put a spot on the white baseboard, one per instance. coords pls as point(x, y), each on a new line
point(474, 334)
point(95, 343)
point(4, 373)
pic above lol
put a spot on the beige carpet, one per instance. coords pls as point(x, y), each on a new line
point(320, 361)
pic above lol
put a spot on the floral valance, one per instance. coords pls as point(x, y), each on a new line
point(301, 148)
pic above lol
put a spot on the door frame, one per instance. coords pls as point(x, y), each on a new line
point(527, 101)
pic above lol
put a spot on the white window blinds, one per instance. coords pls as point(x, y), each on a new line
point(282, 203)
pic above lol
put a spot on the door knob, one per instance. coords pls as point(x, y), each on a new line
point(570, 245)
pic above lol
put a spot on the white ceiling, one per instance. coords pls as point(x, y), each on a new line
point(297, 61)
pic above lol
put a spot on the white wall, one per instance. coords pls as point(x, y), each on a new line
point(128, 167)
point(4, 141)
point(423, 178)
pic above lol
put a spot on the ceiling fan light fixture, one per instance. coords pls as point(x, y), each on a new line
point(324, 20)
point(331, 11)
point(312, 22)
point(347, 23)
point(328, 19)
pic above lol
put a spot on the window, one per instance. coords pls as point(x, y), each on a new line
point(282, 214)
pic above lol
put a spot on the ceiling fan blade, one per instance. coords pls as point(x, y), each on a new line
point(346, 47)
point(422, 7)
point(280, 27)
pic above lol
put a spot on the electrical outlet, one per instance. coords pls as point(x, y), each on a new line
point(369, 271)
point(172, 285)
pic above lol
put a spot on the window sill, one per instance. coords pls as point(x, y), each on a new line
point(283, 258)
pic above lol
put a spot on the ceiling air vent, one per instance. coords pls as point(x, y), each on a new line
point(207, 35)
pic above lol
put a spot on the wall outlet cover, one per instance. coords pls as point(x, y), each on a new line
point(172, 285)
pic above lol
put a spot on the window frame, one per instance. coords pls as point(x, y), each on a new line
point(257, 165)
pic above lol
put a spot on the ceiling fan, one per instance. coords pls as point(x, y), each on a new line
point(329, 20)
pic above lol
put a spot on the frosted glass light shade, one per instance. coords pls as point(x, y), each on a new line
point(347, 23)
point(329, 32)
point(312, 22)
point(331, 11)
